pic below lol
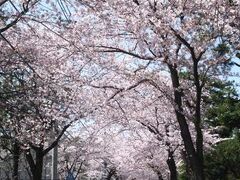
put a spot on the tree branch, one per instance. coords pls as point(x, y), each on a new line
point(119, 50)
point(55, 142)
point(30, 161)
point(14, 21)
point(181, 39)
point(3, 2)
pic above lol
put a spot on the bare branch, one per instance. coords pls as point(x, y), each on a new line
point(105, 87)
point(143, 67)
point(19, 16)
point(119, 50)
point(55, 142)
point(30, 161)
point(181, 39)
point(3, 2)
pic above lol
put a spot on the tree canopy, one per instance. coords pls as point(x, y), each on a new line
point(123, 89)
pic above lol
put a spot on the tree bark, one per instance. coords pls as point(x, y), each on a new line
point(16, 156)
point(197, 122)
point(36, 167)
point(3, 2)
point(172, 166)
point(37, 174)
point(194, 158)
point(186, 164)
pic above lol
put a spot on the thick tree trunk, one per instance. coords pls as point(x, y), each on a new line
point(195, 159)
point(187, 165)
point(172, 166)
point(37, 166)
point(16, 156)
point(170, 161)
point(197, 122)
point(37, 174)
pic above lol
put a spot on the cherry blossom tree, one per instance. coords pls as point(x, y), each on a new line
point(40, 76)
point(119, 65)
point(176, 37)
point(43, 90)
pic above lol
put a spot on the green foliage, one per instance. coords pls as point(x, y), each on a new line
point(186, 75)
point(222, 49)
point(238, 55)
point(224, 107)
point(182, 173)
point(223, 162)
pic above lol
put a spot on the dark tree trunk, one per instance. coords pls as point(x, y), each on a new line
point(37, 174)
point(170, 161)
point(197, 122)
point(172, 166)
point(195, 158)
point(16, 156)
point(187, 165)
point(36, 167)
